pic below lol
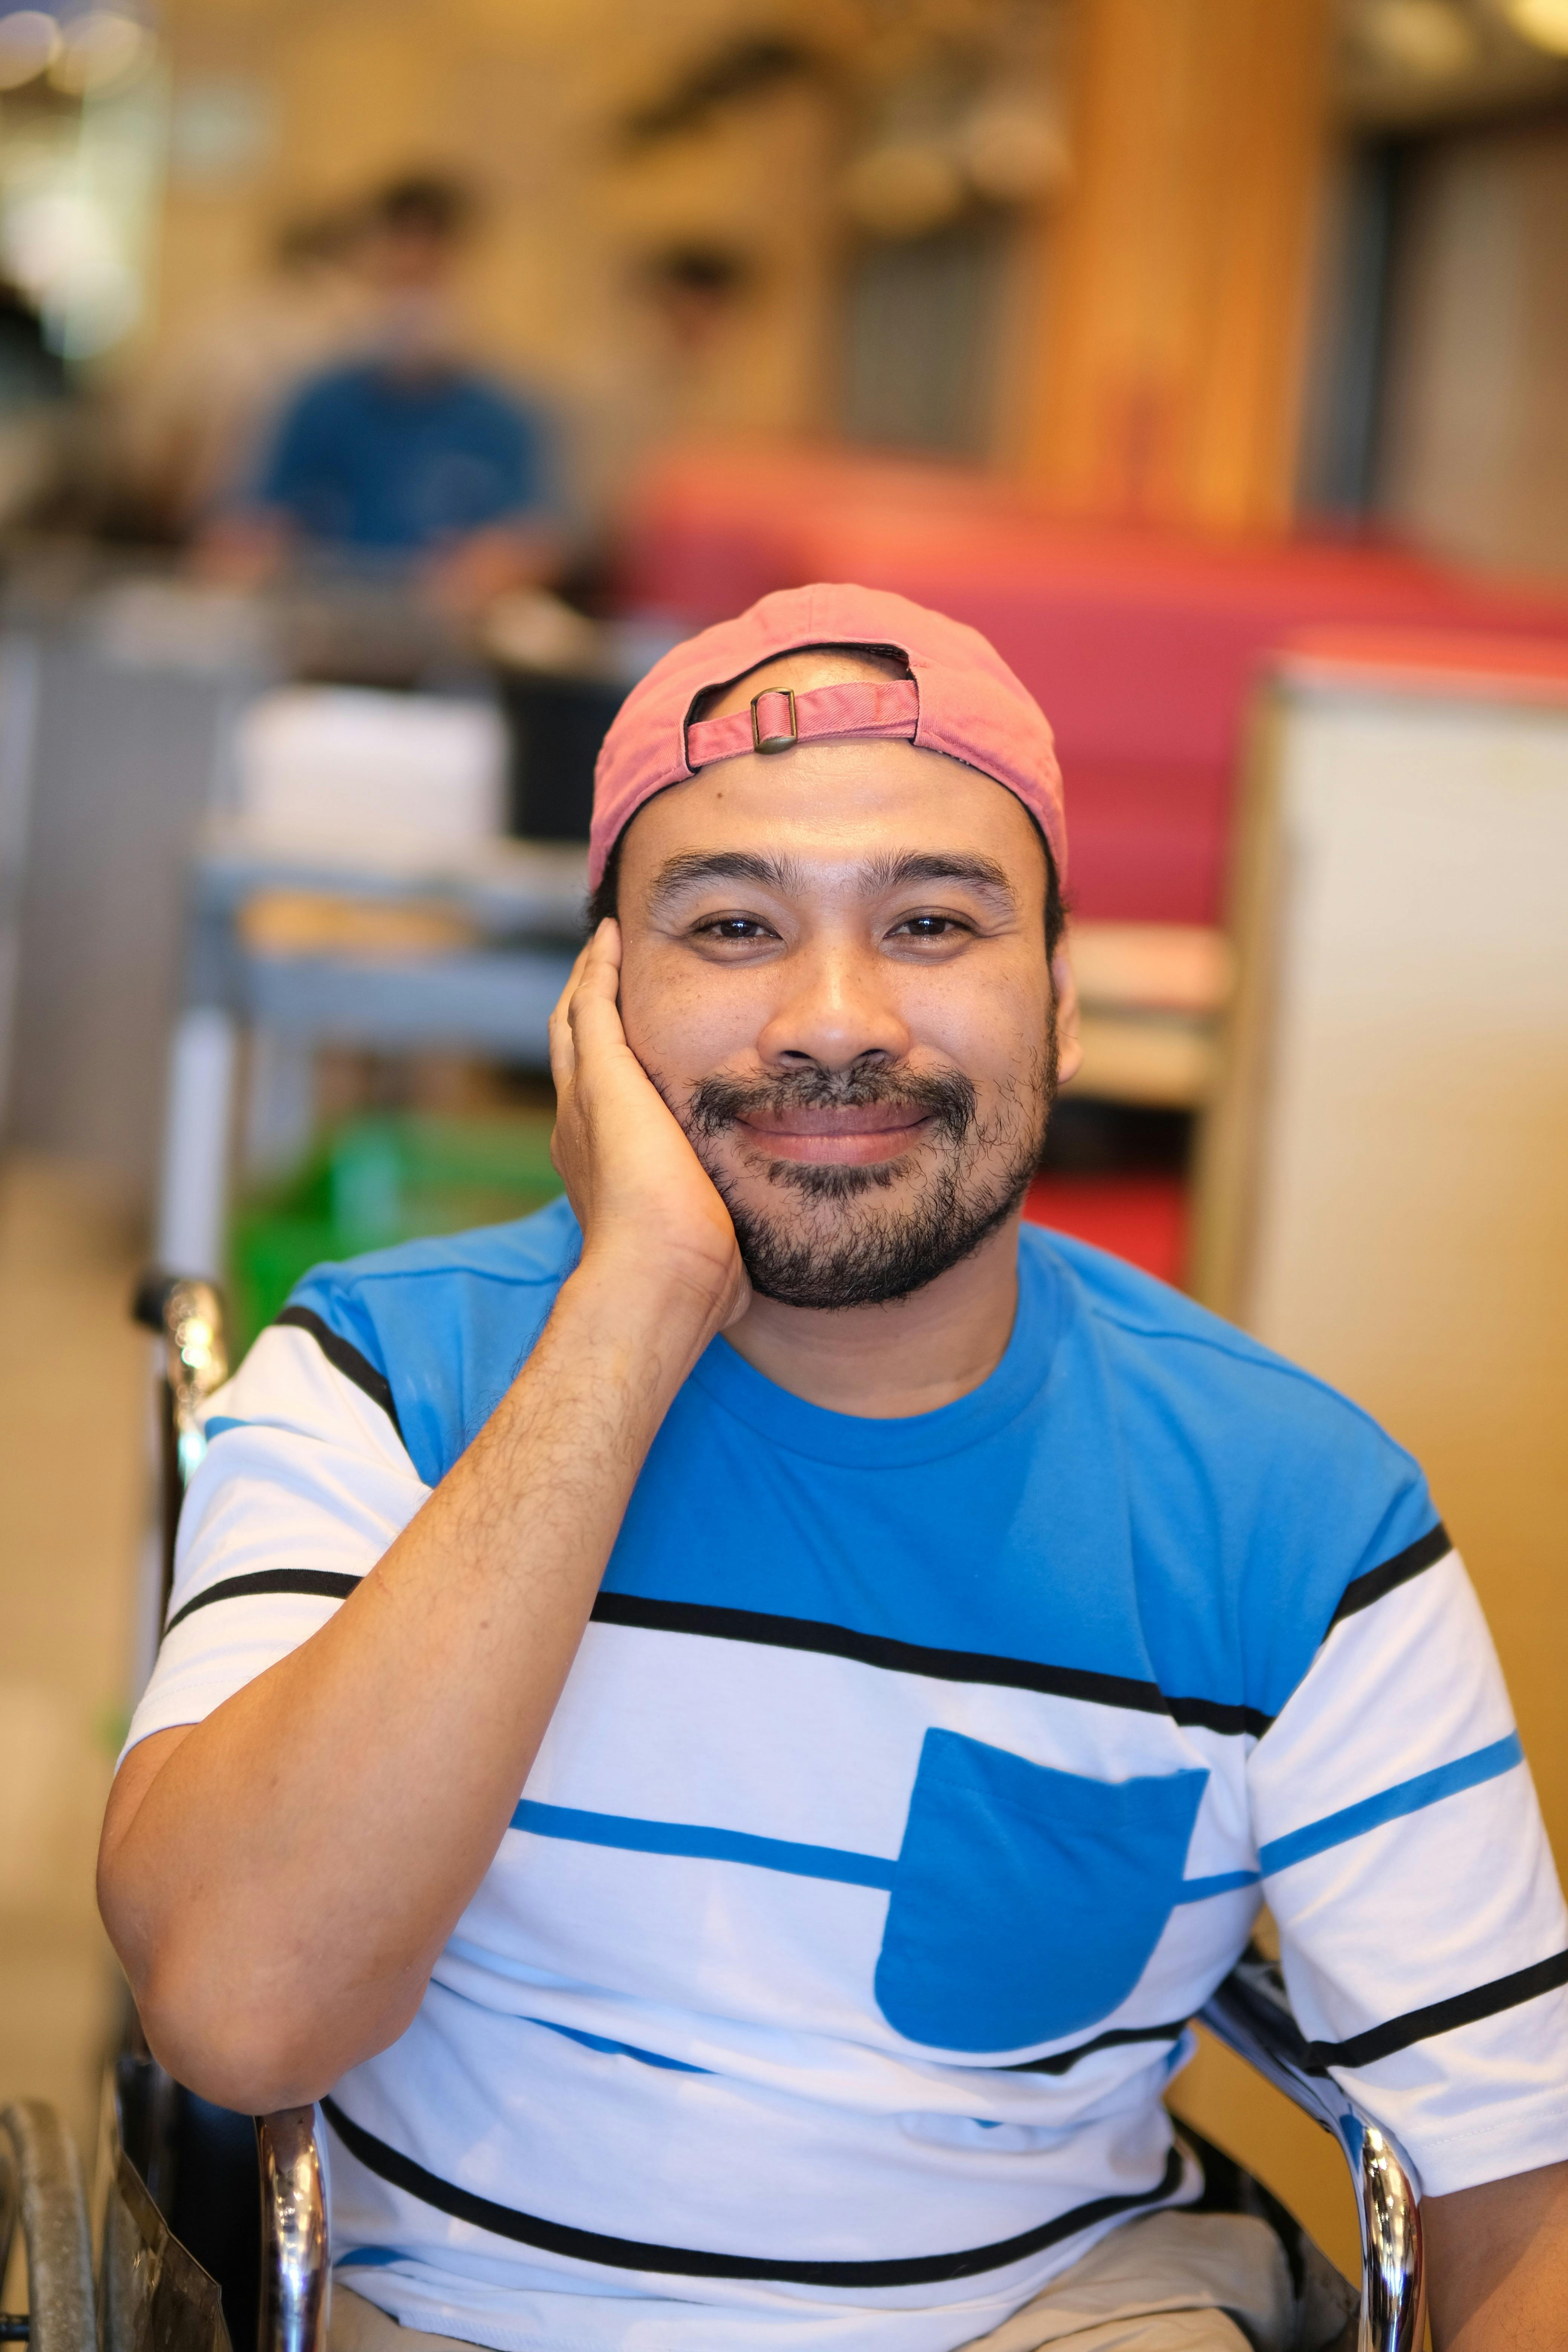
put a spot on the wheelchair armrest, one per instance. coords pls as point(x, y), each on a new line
point(295, 2283)
point(1251, 2014)
point(41, 2178)
point(188, 1315)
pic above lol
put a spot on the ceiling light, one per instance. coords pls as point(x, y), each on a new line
point(28, 41)
point(1428, 38)
point(1544, 22)
point(100, 47)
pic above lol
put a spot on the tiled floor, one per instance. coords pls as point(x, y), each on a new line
point(73, 1399)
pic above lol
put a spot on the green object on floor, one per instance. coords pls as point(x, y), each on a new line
point(374, 1182)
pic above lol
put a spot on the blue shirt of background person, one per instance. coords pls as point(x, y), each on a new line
point(404, 456)
point(372, 457)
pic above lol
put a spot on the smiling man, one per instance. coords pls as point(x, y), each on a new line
point(725, 1729)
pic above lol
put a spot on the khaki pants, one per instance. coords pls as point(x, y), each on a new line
point(1168, 2284)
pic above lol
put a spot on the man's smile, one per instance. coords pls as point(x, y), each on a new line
point(842, 1135)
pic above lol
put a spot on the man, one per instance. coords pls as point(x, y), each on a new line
point(730, 1726)
point(404, 455)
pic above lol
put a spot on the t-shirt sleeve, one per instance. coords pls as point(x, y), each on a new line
point(305, 1485)
point(1423, 1934)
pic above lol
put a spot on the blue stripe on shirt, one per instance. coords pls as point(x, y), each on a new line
point(833, 1861)
point(698, 1842)
point(1393, 1804)
point(689, 1838)
point(619, 2049)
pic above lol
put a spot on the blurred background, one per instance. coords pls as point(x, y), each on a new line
point(384, 385)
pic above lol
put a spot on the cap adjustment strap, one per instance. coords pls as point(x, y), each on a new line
point(778, 719)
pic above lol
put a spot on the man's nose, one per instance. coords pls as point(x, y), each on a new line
point(837, 1008)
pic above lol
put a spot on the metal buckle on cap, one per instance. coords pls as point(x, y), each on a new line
point(771, 742)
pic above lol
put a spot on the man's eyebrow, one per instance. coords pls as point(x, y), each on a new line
point(889, 871)
point(892, 872)
point(694, 868)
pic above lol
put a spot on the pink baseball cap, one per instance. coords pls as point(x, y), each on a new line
point(960, 698)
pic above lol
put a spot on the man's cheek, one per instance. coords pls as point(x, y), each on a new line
point(675, 1028)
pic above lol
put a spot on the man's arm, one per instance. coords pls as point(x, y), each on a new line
point(280, 1879)
point(1498, 2258)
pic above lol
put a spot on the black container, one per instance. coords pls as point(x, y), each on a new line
point(556, 723)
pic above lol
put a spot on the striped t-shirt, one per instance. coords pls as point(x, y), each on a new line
point(914, 1784)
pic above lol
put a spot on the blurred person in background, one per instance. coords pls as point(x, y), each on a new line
point(405, 456)
point(34, 396)
point(191, 426)
point(669, 374)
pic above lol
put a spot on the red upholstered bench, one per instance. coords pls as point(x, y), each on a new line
point(1141, 646)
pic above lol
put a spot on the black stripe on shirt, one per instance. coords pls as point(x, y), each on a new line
point(1442, 2017)
point(325, 1581)
point(1423, 1553)
point(1118, 2036)
point(917, 1658)
point(631, 2253)
point(345, 1358)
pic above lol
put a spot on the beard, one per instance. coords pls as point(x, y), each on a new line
point(860, 1236)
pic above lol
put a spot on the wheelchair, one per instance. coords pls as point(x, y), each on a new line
point(183, 2266)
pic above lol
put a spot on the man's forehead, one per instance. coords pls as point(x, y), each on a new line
point(838, 800)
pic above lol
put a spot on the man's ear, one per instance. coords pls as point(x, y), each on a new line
point(1069, 1046)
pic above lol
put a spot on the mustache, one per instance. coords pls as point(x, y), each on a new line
point(945, 1097)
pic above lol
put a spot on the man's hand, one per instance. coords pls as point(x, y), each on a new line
point(1498, 2257)
point(636, 1183)
point(280, 1879)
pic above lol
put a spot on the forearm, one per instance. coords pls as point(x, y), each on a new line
point(279, 1892)
point(1498, 2257)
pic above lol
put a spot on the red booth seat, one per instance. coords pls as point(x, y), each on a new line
point(1140, 1217)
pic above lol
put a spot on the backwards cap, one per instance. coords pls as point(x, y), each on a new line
point(960, 698)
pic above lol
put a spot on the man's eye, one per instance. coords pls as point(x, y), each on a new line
point(929, 927)
point(742, 928)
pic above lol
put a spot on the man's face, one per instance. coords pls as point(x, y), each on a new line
point(834, 969)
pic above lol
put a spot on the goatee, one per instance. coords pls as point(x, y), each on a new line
point(839, 1250)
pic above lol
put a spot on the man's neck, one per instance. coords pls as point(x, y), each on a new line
point(910, 1356)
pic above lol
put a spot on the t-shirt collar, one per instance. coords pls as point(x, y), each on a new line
point(791, 1421)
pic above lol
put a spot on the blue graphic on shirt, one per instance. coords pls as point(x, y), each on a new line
point(1026, 1902)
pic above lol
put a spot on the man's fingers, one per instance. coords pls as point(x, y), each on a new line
point(605, 947)
point(592, 1014)
point(600, 972)
point(563, 1056)
point(588, 997)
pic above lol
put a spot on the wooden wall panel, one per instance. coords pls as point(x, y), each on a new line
point(1380, 1187)
point(1167, 376)
point(1474, 456)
